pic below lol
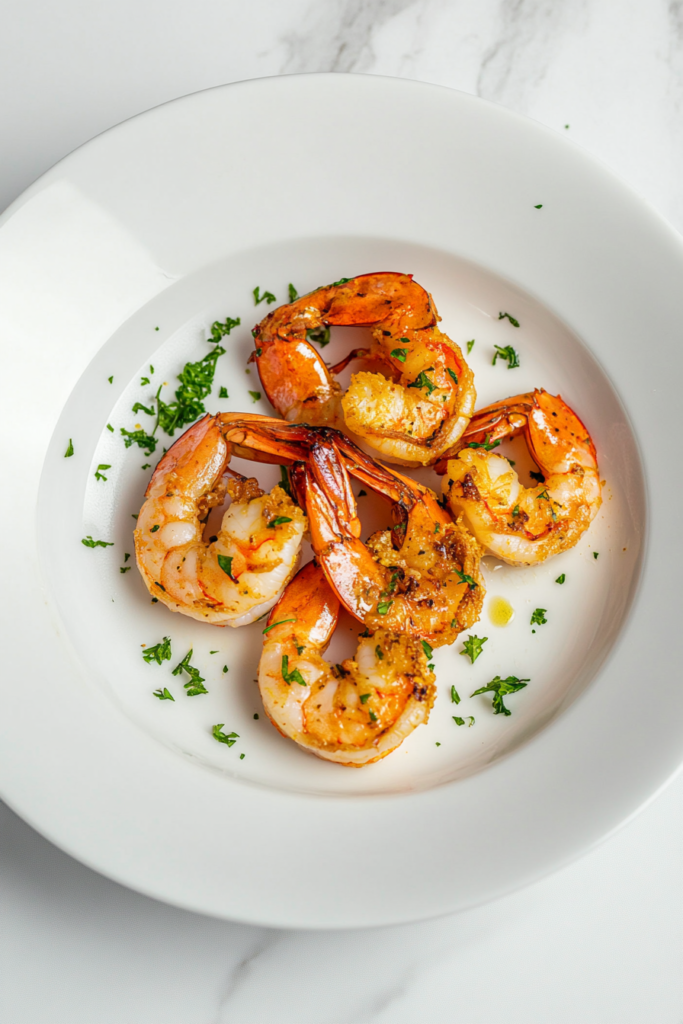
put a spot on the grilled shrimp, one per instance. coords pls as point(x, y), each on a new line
point(421, 577)
point(416, 395)
point(239, 574)
point(354, 713)
point(525, 525)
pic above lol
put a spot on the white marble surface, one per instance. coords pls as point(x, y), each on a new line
point(599, 943)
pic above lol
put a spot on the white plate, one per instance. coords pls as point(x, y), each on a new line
point(168, 222)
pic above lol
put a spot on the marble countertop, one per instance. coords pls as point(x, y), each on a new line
point(599, 942)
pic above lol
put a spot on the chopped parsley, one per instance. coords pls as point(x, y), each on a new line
point(470, 345)
point(502, 316)
point(229, 738)
point(365, 697)
point(320, 335)
point(139, 407)
point(538, 617)
point(110, 428)
point(455, 696)
point(267, 297)
point(292, 292)
point(163, 694)
point(125, 568)
point(427, 648)
point(379, 653)
point(70, 450)
point(155, 528)
point(508, 353)
point(342, 280)
point(423, 381)
point(500, 688)
point(223, 393)
point(400, 354)
point(373, 716)
point(225, 562)
point(383, 607)
point(539, 207)
point(220, 330)
point(562, 578)
point(90, 543)
point(99, 475)
point(278, 521)
point(146, 465)
point(225, 669)
point(140, 438)
point(195, 685)
point(196, 381)
point(110, 379)
point(473, 647)
point(126, 556)
point(486, 444)
point(160, 652)
point(291, 677)
point(461, 721)
point(255, 395)
point(595, 554)
point(279, 623)
point(452, 373)
point(464, 578)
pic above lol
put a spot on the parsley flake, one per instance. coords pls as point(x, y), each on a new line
point(383, 607)
point(539, 207)
point(461, 721)
point(291, 677)
point(423, 381)
point(196, 381)
point(125, 568)
point(292, 292)
point(140, 438)
point(427, 648)
point(280, 622)
point(379, 653)
point(400, 354)
point(196, 682)
point(500, 688)
point(321, 335)
point(267, 297)
point(255, 395)
point(538, 617)
point(220, 330)
point(229, 738)
point(595, 554)
point(90, 543)
point(455, 696)
point(163, 694)
point(373, 716)
point(99, 475)
point(502, 316)
point(452, 373)
point(365, 697)
point(562, 578)
point(470, 345)
point(278, 521)
point(486, 444)
point(70, 450)
point(110, 379)
point(139, 407)
point(508, 353)
point(225, 562)
point(160, 652)
point(110, 428)
point(464, 578)
point(284, 481)
point(223, 393)
point(473, 647)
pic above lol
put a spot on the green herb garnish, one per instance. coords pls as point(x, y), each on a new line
point(320, 335)
point(220, 330)
point(90, 543)
point(125, 568)
point(139, 407)
point(163, 694)
point(538, 617)
point(470, 346)
point(196, 381)
point(278, 521)
point(461, 721)
point(464, 578)
point(229, 738)
point(110, 379)
point(291, 677)
point(160, 652)
point(70, 450)
point(502, 316)
point(595, 554)
point(266, 297)
point(255, 395)
point(500, 688)
point(400, 354)
point(373, 716)
point(562, 578)
point(423, 381)
point(486, 444)
point(365, 697)
point(452, 373)
point(279, 623)
point(284, 481)
point(455, 696)
point(292, 292)
point(195, 685)
point(539, 207)
point(379, 653)
point(383, 607)
point(225, 562)
point(473, 647)
point(99, 475)
point(223, 393)
point(508, 353)
point(140, 438)
point(427, 648)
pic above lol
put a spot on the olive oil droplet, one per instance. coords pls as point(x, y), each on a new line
point(500, 611)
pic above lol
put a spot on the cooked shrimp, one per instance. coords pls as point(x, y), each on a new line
point(525, 525)
point(420, 578)
point(241, 572)
point(354, 713)
point(416, 395)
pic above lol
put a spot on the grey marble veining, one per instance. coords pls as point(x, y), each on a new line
point(598, 943)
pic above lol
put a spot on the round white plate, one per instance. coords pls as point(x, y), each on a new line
point(116, 262)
